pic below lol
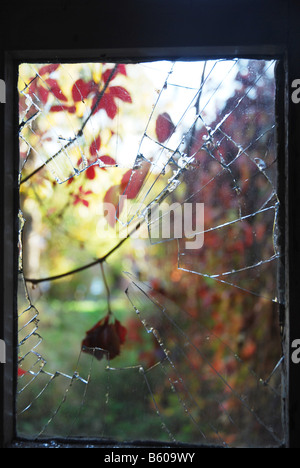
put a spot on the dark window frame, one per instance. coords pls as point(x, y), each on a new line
point(145, 30)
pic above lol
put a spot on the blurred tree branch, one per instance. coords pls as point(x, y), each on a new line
point(88, 265)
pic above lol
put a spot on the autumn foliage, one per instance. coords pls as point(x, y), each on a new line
point(105, 339)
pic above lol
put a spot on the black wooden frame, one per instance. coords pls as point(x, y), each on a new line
point(142, 30)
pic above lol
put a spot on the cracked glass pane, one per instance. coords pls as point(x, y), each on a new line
point(149, 254)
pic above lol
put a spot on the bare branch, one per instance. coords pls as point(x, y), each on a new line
point(88, 265)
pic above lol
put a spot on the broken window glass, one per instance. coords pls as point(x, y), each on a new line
point(149, 253)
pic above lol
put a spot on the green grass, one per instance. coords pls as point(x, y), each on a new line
point(114, 404)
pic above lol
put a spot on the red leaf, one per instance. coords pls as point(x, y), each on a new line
point(121, 331)
point(32, 85)
point(71, 109)
point(107, 103)
point(81, 89)
point(43, 94)
point(104, 339)
point(106, 75)
point(90, 172)
point(113, 204)
point(78, 197)
point(107, 160)
point(133, 180)
point(164, 127)
point(95, 146)
point(88, 192)
point(121, 68)
point(48, 68)
point(55, 89)
point(121, 93)
point(21, 371)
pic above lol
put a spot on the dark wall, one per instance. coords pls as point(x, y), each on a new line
point(105, 24)
point(153, 28)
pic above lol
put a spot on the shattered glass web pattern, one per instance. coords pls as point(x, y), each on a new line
point(198, 386)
